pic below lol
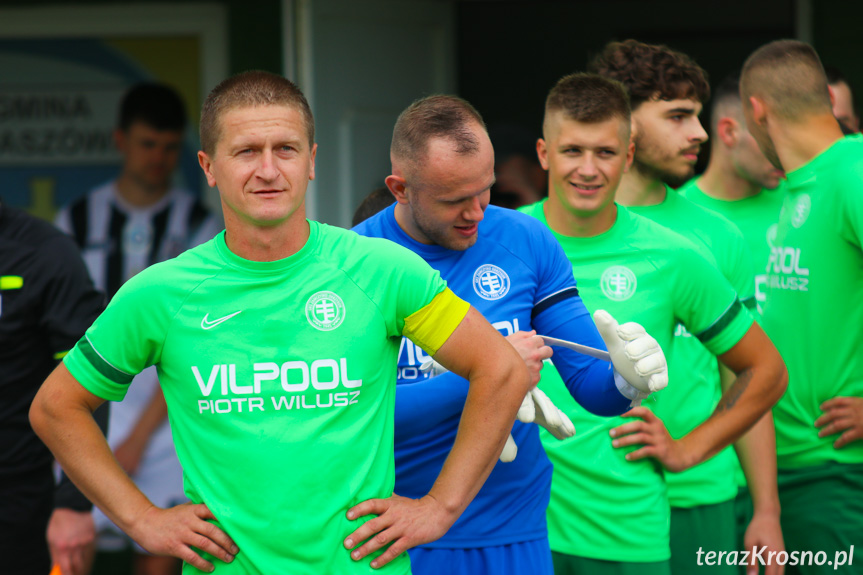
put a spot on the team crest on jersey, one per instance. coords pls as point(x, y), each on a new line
point(801, 210)
point(490, 282)
point(618, 283)
point(325, 311)
point(771, 235)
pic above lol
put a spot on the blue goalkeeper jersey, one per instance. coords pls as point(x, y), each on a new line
point(519, 278)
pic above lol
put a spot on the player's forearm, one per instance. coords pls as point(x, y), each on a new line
point(495, 394)
point(70, 432)
point(756, 451)
point(755, 390)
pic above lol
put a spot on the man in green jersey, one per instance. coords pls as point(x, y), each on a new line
point(735, 185)
point(648, 274)
point(274, 344)
point(667, 90)
point(737, 179)
point(814, 308)
point(844, 107)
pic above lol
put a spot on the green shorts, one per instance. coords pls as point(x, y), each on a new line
point(575, 565)
point(696, 532)
point(822, 511)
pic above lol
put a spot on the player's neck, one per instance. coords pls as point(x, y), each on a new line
point(566, 223)
point(137, 194)
point(640, 187)
point(800, 142)
point(266, 243)
point(721, 182)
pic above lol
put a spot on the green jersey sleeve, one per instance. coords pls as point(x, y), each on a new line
point(123, 341)
point(708, 305)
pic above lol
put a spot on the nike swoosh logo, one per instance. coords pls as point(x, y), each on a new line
point(207, 324)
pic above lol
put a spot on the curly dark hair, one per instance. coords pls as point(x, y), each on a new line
point(651, 72)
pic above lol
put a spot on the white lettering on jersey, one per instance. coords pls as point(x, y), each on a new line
point(293, 377)
point(785, 270)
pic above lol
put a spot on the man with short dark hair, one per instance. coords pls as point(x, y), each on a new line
point(667, 90)
point(844, 105)
point(814, 311)
point(275, 343)
point(375, 201)
point(646, 273)
point(510, 268)
point(738, 184)
point(738, 180)
point(122, 227)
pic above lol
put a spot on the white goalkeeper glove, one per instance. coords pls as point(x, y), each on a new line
point(639, 364)
point(538, 408)
point(432, 368)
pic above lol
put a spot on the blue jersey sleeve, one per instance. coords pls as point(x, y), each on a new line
point(562, 314)
point(424, 405)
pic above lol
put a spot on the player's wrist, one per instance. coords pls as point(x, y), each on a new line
point(769, 508)
point(626, 389)
point(449, 510)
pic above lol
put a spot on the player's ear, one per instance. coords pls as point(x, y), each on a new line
point(312, 155)
point(542, 153)
point(207, 165)
point(832, 96)
point(397, 184)
point(728, 131)
point(759, 110)
point(630, 154)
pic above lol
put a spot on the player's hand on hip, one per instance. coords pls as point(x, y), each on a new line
point(532, 350)
point(401, 523)
point(538, 408)
point(176, 530)
point(635, 355)
point(842, 415)
point(72, 540)
point(649, 431)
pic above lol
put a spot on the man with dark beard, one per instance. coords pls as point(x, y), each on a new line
point(667, 90)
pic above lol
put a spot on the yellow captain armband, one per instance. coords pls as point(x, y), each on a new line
point(432, 325)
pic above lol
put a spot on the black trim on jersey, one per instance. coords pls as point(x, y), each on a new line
point(723, 322)
point(78, 215)
point(160, 224)
point(553, 299)
point(197, 215)
point(114, 274)
point(750, 303)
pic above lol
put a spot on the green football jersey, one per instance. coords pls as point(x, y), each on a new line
point(603, 506)
point(715, 480)
point(756, 219)
point(280, 383)
point(814, 308)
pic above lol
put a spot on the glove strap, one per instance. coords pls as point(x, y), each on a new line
point(628, 390)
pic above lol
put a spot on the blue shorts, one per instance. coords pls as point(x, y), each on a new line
point(532, 557)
